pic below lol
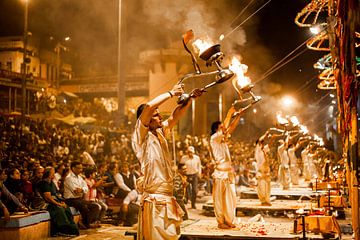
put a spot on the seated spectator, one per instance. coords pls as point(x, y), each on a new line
point(91, 195)
point(37, 176)
point(62, 221)
point(38, 202)
point(13, 183)
point(58, 178)
point(26, 187)
point(74, 189)
point(126, 182)
point(244, 178)
point(110, 182)
point(180, 184)
point(8, 202)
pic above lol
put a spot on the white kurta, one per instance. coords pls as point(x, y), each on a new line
point(160, 215)
point(224, 194)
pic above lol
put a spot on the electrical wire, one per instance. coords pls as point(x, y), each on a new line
point(289, 54)
point(278, 67)
point(234, 29)
point(242, 11)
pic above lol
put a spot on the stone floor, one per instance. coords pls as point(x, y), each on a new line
point(109, 232)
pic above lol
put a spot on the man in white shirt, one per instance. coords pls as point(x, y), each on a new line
point(160, 215)
point(193, 173)
point(74, 189)
point(126, 182)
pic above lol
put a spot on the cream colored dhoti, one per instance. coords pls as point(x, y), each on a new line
point(264, 188)
point(224, 197)
point(159, 218)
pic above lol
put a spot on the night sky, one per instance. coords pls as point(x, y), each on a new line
point(150, 24)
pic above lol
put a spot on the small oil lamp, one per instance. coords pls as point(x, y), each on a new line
point(212, 55)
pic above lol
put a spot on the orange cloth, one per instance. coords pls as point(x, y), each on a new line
point(324, 224)
point(335, 201)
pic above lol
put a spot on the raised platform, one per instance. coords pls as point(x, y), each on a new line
point(291, 194)
point(207, 229)
point(251, 207)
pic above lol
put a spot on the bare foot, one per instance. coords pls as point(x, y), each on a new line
point(265, 204)
point(232, 225)
point(223, 226)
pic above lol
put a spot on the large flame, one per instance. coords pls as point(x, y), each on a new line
point(294, 120)
point(240, 69)
point(319, 139)
point(202, 45)
point(281, 120)
point(304, 129)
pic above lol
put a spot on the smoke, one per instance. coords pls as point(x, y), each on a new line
point(208, 19)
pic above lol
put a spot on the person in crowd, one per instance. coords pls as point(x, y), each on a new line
point(37, 175)
point(62, 221)
point(58, 178)
point(74, 189)
point(160, 215)
point(26, 187)
point(263, 174)
point(126, 183)
point(193, 173)
point(224, 194)
point(110, 181)
point(13, 183)
point(180, 183)
point(244, 177)
point(92, 194)
point(284, 172)
point(8, 202)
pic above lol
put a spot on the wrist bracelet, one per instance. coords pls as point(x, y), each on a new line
point(171, 95)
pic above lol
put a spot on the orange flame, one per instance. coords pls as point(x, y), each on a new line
point(281, 120)
point(304, 129)
point(240, 69)
point(294, 120)
point(202, 45)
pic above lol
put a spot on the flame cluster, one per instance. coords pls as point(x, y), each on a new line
point(202, 45)
point(236, 66)
point(240, 69)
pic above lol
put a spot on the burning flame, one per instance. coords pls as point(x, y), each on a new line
point(304, 129)
point(202, 45)
point(294, 120)
point(281, 120)
point(240, 69)
point(319, 139)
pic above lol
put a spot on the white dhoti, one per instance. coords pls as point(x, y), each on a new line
point(224, 197)
point(159, 218)
point(284, 176)
point(264, 188)
point(294, 174)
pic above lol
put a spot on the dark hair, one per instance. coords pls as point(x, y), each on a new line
point(47, 172)
point(215, 127)
point(89, 171)
point(74, 164)
point(180, 165)
point(12, 171)
point(112, 166)
point(139, 110)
